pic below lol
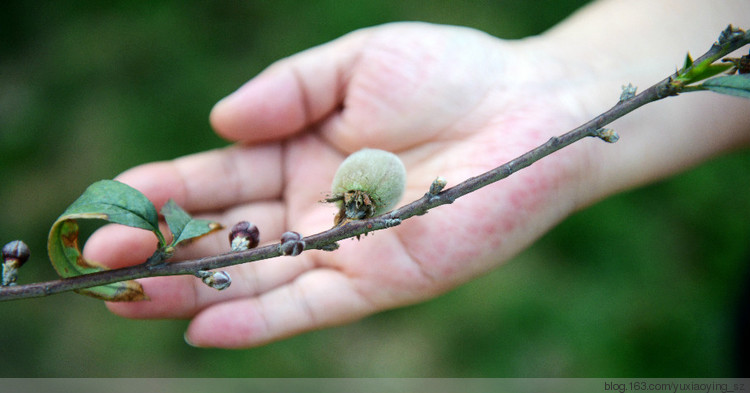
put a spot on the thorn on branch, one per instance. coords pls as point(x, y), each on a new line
point(628, 92)
point(607, 135)
point(217, 280)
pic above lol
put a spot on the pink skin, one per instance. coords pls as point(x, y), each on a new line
point(451, 102)
point(437, 96)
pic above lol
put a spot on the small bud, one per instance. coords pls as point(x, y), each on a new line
point(437, 185)
point(392, 222)
point(628, 92)
point(729, 34)
point(291, 243)
point(16, 253)
point(217, 280)
point(743, 66)
point(608, 135)
point(244, 236)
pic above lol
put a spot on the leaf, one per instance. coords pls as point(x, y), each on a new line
point(701, 71)
point(106, 200)
point(120, 203)
point(713, 70)
point(688, 62)
point(183, 226)
point(67, 260)
point(733, 85)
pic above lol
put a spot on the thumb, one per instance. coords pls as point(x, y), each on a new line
point(289, 95)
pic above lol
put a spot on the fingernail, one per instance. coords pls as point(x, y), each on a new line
point(188, 342)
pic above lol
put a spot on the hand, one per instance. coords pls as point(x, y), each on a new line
point(451, 102)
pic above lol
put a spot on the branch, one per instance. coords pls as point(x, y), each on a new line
point(729, 40)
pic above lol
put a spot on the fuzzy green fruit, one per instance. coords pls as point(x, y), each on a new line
point(368, 183)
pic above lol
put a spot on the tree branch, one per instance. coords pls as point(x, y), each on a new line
point(729, 40)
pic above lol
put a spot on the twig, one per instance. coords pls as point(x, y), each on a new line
point(730, 40)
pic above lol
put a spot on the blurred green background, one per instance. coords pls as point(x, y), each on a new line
point(646, 283)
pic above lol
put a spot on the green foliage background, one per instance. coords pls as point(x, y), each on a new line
point(646, 283)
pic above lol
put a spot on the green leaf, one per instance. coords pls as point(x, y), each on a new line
point(67, 260)
point(688, 62)
point(183, 226)
point(701, 71)
point(106, 200)
point(120, 203)
point(733, 85)
point(713, 70)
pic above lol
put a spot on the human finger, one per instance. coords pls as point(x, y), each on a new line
point(184, 296)
point(211, 180)
point(288, 96)
point(316, 299)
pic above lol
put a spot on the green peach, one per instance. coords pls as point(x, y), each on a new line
point(368, 183)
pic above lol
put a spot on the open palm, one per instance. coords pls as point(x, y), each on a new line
point(451, 102)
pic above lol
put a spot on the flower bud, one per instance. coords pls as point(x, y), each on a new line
point(15, 254)
point(743, 65)
point(217, 280)
point(291, 244)
point(628, 92)
point(608, 135)
point(437, 185)
point(244, 236)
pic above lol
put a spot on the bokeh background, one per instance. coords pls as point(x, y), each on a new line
point(646, 283)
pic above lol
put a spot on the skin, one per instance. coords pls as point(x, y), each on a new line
point(451, 102)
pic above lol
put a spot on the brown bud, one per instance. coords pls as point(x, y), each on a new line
point(608, 135)
point(291, 243)
point(743, 65)
point(437, 185)
point(243, 236)
point(16, 253)
point(216, 280)
point(729, 34)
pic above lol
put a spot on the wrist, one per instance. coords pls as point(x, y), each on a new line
point(663, 137)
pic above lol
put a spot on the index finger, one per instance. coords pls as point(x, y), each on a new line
point(289, 95)
point(212, 180)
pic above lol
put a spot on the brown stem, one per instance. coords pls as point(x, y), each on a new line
point(732, 40)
